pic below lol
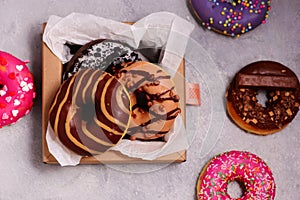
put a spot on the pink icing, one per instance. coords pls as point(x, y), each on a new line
point(236, 165)
point(16, 89)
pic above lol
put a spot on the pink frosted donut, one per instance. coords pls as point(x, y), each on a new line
point(243, 167)
point(16, 89)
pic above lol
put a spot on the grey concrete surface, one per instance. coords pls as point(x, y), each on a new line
point(24, 176)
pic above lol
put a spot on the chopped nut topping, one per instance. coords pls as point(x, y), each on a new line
point(281, 105)
point(275, 98)
point(247, 98)
point(258, 105)
point(240, 107)
point(283, 71)
point(247, 107)
point(277, 112)
point(289, 112)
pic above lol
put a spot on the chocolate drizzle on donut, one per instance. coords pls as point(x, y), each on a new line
point(283, 95)
point(150, 95)
point(145, 101)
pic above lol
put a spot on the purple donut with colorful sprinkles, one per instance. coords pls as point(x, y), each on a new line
point(231, 17)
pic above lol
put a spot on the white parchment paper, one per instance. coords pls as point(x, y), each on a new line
point(160, 30)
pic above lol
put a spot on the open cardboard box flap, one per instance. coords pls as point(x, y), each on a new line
point(52, 70)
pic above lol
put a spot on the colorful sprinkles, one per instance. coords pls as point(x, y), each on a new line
point(232, 17)
point(240, 166)
point(16, 89)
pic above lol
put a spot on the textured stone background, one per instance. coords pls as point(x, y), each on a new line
point(23, 175)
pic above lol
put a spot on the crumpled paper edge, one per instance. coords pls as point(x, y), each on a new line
point(66, 157)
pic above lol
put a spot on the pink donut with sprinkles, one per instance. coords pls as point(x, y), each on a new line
point(230, 17)
point(16, 89)
point(243, 167)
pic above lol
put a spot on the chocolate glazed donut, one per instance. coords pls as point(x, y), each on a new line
point(283, 93)
point(90, 112)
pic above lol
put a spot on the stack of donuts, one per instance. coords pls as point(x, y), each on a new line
point(109, 94)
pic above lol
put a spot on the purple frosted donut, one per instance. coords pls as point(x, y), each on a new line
point(230, 17)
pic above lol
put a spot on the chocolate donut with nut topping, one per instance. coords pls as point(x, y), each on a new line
point(283, 94)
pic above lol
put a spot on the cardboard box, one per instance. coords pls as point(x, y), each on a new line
point(52, 70)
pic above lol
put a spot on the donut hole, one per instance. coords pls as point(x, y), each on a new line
point(143, 100)
point(262, 97)
point(236, 189)
point(1, 86)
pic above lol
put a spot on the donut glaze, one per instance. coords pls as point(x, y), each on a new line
point(245, 167)
point(231, 17)
point(16, 89)
point(283, 93)
point(90, 112)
